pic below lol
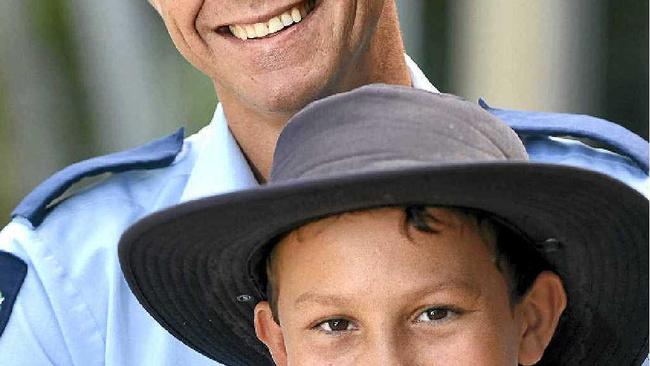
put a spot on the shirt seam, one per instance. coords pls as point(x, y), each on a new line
point(71, 287)
point(601, 159)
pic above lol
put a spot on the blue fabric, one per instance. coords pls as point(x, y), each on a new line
point(619, 139)
point(12, 275)
point(74, 307)
point(156, 154)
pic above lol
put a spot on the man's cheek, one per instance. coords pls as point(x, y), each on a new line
point(185, 26)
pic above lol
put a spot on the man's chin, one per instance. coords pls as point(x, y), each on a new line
point(285, 100)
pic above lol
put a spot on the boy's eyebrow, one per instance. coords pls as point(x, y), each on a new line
point(343, 301)
point(327, 300)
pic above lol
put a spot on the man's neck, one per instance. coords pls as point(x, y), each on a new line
point(383, 61)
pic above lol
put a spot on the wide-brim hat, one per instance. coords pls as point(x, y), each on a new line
point(198, 267)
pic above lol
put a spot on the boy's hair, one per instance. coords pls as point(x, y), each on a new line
point(515, 256)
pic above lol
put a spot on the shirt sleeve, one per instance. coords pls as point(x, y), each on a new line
point(49, 323)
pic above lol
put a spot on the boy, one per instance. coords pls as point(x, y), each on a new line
point(402, 227)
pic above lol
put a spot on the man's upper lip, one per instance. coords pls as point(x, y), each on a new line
point(263, 17)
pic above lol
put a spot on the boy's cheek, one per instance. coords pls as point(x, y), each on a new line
point(334, 351)
point(472, 346)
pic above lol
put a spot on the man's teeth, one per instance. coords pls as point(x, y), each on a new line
point(273, 25)
point(286, 19)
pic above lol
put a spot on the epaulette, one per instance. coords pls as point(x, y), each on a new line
point(12, 274)
point(613, 136)
point(155, 154)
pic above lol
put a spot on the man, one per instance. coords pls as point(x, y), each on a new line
point(65, 301)
point(402, 227)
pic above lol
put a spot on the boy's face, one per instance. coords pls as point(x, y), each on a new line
point(356, 290)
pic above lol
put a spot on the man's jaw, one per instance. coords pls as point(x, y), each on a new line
point(270, 25)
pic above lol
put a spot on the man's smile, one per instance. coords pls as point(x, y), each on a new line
point(268, 25)
point(273, 57)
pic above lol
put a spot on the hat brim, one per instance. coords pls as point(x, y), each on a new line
point(188, 265)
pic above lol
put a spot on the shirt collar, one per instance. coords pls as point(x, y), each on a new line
point(418, 79)
point(219, 164)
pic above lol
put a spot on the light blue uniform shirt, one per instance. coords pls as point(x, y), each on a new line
point(74, 306)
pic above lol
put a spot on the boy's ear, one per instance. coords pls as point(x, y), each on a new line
point(270, 333)
point(541, 308)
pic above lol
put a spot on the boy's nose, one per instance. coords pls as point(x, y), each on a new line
point(389, 349)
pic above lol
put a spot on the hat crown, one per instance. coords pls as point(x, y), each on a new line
point(381, 127)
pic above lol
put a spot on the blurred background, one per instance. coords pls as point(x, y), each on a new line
point(79, 78)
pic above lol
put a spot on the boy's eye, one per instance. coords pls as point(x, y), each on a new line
point(335, 325)
point(435, 314)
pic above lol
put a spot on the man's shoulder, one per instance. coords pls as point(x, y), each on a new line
point(118, 189)
point(63, 240)
point(582, 141)
point(121, 178)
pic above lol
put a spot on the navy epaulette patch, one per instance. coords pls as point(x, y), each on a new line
point(615, 137)
point(12, 274)
point(156, 154)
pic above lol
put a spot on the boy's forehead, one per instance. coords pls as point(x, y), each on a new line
point(448, 217)
point(382, 229)
point(370, 252)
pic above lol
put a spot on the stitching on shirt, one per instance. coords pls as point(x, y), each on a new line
point(75, 292)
